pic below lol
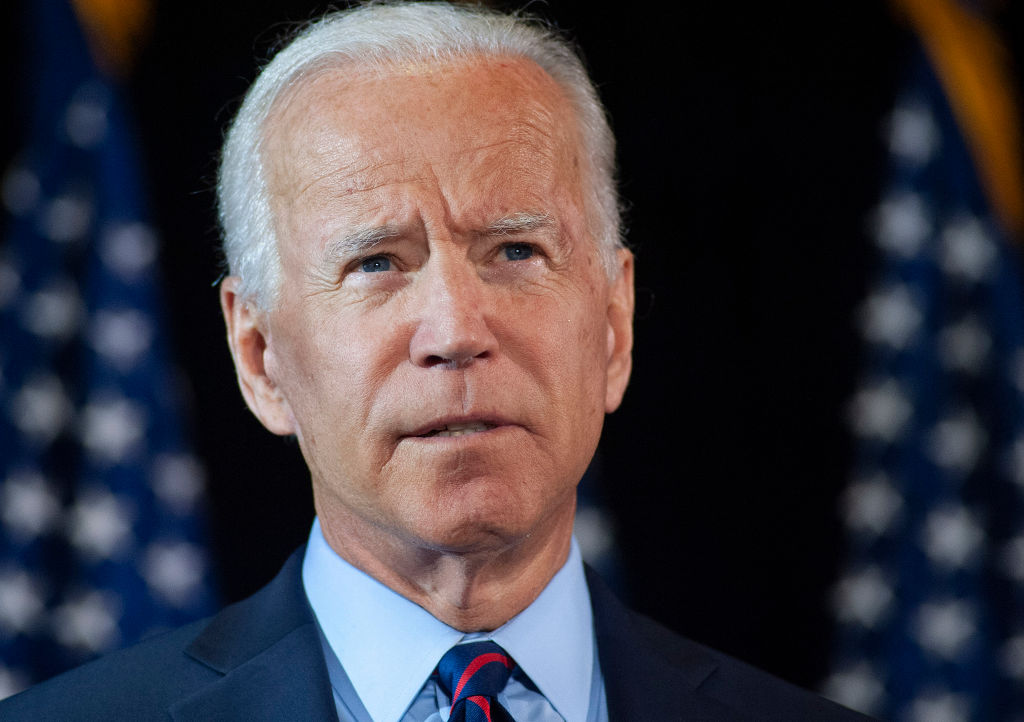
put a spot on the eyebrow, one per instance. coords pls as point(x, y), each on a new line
point(519, 223)
point(357, 242)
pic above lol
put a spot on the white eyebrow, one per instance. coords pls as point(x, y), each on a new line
point(519, 223)
point(356, 243)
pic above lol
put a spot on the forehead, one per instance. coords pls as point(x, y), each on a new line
point(489, 123)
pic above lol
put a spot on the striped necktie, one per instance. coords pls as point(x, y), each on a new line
point(473, 674)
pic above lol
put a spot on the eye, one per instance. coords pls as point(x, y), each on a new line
point(375, 264)
point(518, 251)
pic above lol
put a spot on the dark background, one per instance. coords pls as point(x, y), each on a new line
point(751, 153)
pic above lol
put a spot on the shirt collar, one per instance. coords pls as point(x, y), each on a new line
point(389, 646)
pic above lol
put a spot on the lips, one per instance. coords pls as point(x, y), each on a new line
point(456, 426)
point(472, 427)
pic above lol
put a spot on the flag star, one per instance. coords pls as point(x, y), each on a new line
point(100, 524)
point(953, 537)
point(21, 190)
point(174, 570)
point(10, 282)
point(1011, 657)
point(968, 251)
point(28, 505)
point(12, 681)
point(965, 345)
point(53, 312)
point(957, 442)
point(913, 134)
point(859, 687)
point(891, 316)
point(21, 601)
point(881, 411)
point(86, 117)
point(121, 336)
point(872, 505)
point(940, 707)
point(177, 480)
point(1012, 558)
point(944, 629)
point(41, 408)
point(594, 532)
point(66, 218)
point(902, 224)
point(110, 428)
point(128, 249)
point(863, 597)
point(88, 621)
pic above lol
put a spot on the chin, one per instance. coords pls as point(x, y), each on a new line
point(497, 522)
point(473, 535)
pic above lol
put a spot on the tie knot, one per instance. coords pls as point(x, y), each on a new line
point(475, 669)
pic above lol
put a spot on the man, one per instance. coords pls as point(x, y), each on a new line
point(430, 294)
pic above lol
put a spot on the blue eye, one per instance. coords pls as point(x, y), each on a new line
point(518, 251)
point(375, 264)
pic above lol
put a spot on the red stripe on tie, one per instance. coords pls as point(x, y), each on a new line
point(474, 666)
point(481, 702)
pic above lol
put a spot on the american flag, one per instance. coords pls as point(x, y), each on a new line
point(101, 540)
point(931, 607)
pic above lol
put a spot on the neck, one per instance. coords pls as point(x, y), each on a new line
point(472, 591)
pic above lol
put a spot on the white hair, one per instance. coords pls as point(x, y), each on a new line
point(377, 36)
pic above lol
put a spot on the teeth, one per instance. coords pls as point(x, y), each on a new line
point(461, 429)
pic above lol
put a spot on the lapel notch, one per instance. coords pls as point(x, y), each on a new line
point(267, 648)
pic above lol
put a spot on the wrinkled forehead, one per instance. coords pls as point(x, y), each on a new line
point(374, 114)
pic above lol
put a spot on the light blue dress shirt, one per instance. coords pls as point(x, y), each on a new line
point(381, 648)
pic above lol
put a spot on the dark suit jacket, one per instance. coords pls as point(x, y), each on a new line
point(261, 659)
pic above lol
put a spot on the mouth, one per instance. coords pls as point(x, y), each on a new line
point(457, 425)
point(457, 429)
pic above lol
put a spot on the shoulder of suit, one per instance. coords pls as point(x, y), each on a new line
point(120, 685)
point(166, 667)
point(640, 653)
point(742, 686)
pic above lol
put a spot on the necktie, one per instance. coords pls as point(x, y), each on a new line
point(473, 674)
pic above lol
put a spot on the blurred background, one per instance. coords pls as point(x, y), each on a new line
point(816, 468)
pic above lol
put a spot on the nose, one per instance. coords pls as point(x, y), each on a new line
point(451, 329)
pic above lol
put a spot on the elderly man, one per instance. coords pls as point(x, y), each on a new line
point(430, 294)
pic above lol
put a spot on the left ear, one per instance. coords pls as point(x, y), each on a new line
point(620, 331)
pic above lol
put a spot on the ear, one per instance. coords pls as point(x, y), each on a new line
point(620, 331)
point(250, 344)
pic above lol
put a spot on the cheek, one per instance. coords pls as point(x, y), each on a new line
point(343, 365)
point(591, 340)
point(305, 364)
point(586, 324)
point(570, 341)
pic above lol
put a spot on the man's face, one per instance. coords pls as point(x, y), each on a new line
point(446, 341)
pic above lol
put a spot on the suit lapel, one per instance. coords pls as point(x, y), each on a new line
point(268, 650)
point(287, 681)
point(648, 672)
